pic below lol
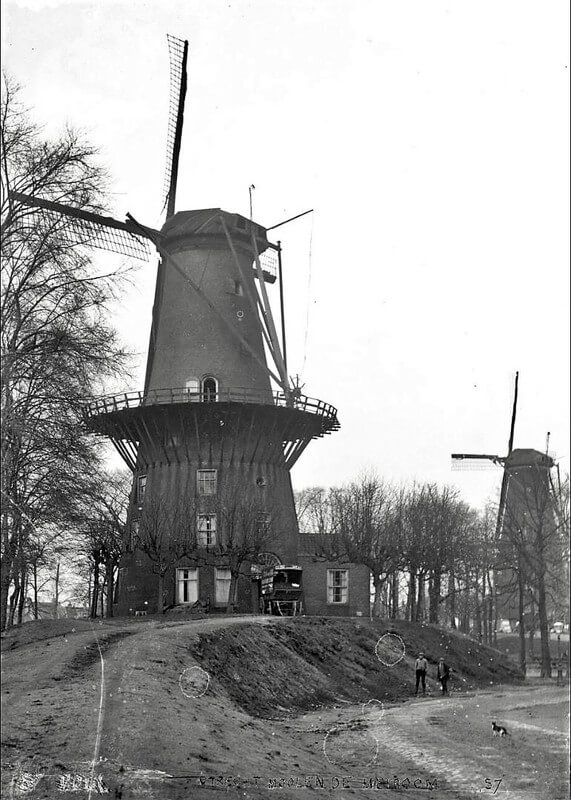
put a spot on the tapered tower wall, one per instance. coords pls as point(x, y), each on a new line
point(190, 340)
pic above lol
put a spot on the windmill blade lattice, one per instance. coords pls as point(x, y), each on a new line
point(177, 58)
point(474, 462)
point(103, 237)
point(269, 263)
point(84, 228)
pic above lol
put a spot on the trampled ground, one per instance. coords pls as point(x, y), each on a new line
point(267, 707)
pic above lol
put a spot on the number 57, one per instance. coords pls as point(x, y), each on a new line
point(489, 784)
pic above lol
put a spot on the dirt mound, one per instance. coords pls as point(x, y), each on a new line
point(304, 663)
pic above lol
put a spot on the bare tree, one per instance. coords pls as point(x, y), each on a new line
point(102, 522)
point(166, 534)
point(412, 545)
point(314, 510)
point(57, 345)
point(244, 531)
point(363, 522)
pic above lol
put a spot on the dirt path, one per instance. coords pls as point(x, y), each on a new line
point(452, 739)
point(108, 704)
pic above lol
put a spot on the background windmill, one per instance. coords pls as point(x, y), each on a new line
point(527, 511)
point(519, 459)
point(214, 417)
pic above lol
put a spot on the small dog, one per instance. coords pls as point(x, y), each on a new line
point(499, 730)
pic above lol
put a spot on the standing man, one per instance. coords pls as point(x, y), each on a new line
point(443, 673)
point(421, 665)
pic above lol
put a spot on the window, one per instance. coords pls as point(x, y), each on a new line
point(141, 486)
point(337, 585)
point(222, 578)
point(192, 385)
point(187, 585)
point(238, 288)
point(206, 481)
point(209, 390)
point(206, 529)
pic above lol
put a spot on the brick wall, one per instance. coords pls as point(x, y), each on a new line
point(315, 589)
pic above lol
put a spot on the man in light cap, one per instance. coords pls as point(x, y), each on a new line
point(421, 665)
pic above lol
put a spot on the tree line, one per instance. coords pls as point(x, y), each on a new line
point(435, 559)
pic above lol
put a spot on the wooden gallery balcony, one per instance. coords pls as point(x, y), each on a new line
point(175, 425)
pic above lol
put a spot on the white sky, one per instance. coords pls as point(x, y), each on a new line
point(431, 138)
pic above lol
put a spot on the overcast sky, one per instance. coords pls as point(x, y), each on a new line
point(432, 140)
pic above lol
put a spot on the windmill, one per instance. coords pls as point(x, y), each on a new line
point(213, 413)
point(512, 463)
point(527, 491)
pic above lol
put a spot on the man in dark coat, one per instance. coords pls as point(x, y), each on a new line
point(443, 674)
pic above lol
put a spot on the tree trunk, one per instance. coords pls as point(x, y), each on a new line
point(89, 589)
point(14, 600)
point(465, 621)
point(478, 608)
point(102, 598)
point(377, 584)
point(5, 581)
point(490, 620)
point(22, 598)
point(232, 591)
point(411, 596)
point(452, 594)
point(394, 596)
point(35, 587)
point(160, 591)
point(110, 588)
point(435, 586)
point(521, 614)
point(543, 628)
point(95, 593)
point(420, 598)
point(493, 619)
point(56, 593)
point(11, 535)
point(430, 594)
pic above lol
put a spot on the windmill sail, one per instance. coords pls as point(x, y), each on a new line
point(178, 54)
point(89, 229)
point(476, 461)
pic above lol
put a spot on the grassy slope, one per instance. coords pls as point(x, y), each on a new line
point(311, 661)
